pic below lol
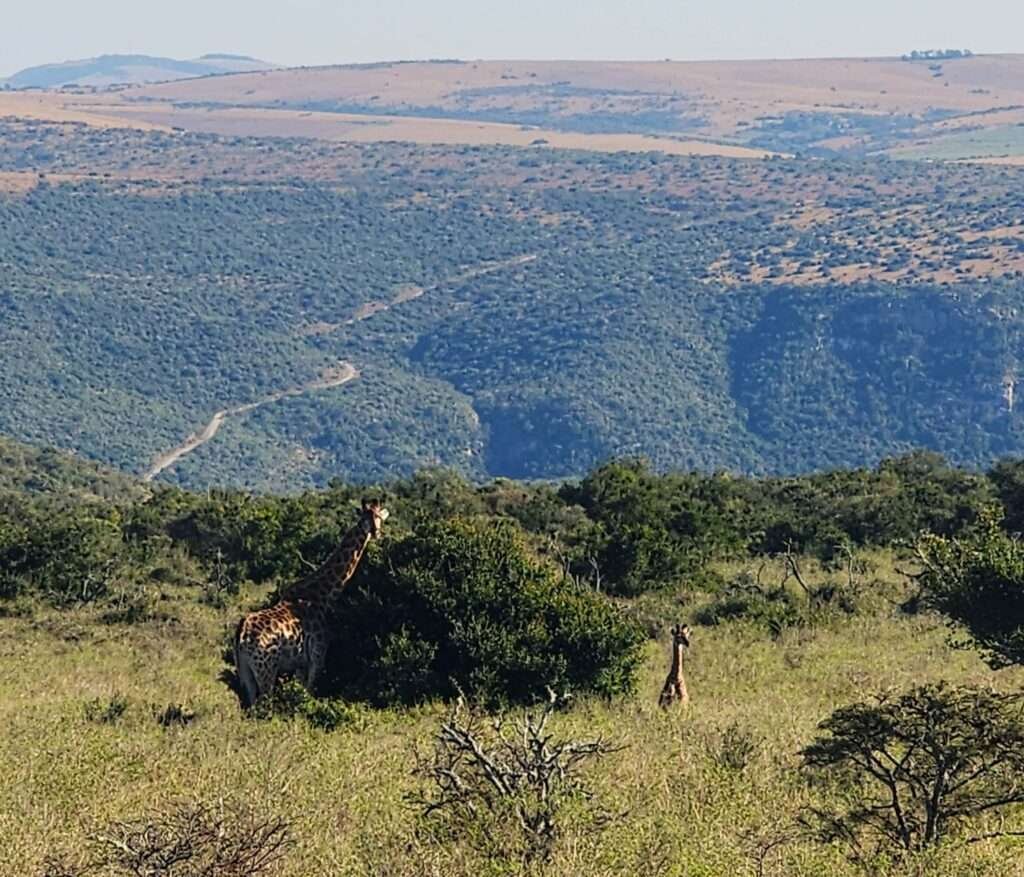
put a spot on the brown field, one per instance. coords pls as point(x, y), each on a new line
point(361, 128)
point(51, 106)
point(738, 88)
point(717, 105)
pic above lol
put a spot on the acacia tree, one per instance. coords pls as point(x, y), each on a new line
point(919, 767)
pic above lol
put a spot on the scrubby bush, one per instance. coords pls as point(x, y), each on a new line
point(106, 712)
point(507, 787)
point(186, 840)
point(465, 605)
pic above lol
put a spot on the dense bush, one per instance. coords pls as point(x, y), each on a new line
point(69, 555)
point(650, 529)
point(977, 580)
point(464, 605)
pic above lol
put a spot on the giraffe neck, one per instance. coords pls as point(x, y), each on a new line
point(339, 567)
point(677, 661)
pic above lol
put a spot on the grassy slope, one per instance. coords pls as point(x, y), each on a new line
point(343, 792)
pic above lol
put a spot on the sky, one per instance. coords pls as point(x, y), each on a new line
point(314, 32)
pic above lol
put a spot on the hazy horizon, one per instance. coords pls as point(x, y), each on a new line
point(317, 32)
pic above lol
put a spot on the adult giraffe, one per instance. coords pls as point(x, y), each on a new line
point(292, 636)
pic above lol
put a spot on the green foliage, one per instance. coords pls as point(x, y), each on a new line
point(650, 530)
point(977, 580)
point(918, 768)
point(70, 555)
point(463, 605)
point(774, 609)
point(291, 700)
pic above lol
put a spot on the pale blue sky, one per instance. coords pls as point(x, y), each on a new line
point(324, 32)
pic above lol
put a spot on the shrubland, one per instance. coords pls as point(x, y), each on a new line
point(814, 648)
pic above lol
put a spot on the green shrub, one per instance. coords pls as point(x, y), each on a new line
point(69, 555)
point(290, 700)
point(977, 580)
point(463, 605)
point(774, 609)
point(106, 712)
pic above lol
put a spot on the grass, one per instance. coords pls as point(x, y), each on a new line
point(1004, 141)
point(695, 789)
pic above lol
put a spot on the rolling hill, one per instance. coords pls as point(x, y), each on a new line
point(851, 106)
point(107, 70)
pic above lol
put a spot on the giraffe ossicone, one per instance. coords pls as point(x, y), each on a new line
point(293, 635)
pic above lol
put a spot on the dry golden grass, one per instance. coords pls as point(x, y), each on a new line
point(51, 106)
point(355, 128)
point(726, 91)
point(687, 807)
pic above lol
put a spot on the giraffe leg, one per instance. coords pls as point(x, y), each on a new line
point(247, 679)
point(313, 668)
point(265, 674)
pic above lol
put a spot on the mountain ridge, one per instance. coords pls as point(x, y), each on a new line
point(130, 69)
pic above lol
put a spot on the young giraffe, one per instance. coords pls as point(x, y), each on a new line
point(674, 690)
point(292, 635)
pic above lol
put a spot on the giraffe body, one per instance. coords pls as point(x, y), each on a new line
point(674, 690)
point(293, 635)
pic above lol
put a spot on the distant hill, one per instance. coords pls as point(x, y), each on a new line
point(940, 107)
point(130, 70)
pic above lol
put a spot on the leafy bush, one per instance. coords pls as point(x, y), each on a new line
point(777, 606)
point(977, 580)
point(106, 712)
point(918, 768)
point(70, 555)
point(291, 700)
point(651, 529)
point(464, 605)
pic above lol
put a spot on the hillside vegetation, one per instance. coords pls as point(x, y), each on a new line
point(775, 316)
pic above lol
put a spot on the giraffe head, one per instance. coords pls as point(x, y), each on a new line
point(681, 635)
point(373, 516)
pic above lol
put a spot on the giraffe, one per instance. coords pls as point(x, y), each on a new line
point(674, 690)
point(292, 635)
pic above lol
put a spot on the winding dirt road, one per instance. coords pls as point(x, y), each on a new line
point(344, 373)
point(335, 377)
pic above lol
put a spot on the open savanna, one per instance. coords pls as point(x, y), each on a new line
point(692, 790)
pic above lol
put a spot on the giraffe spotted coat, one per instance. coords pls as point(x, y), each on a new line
point(292, 636)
